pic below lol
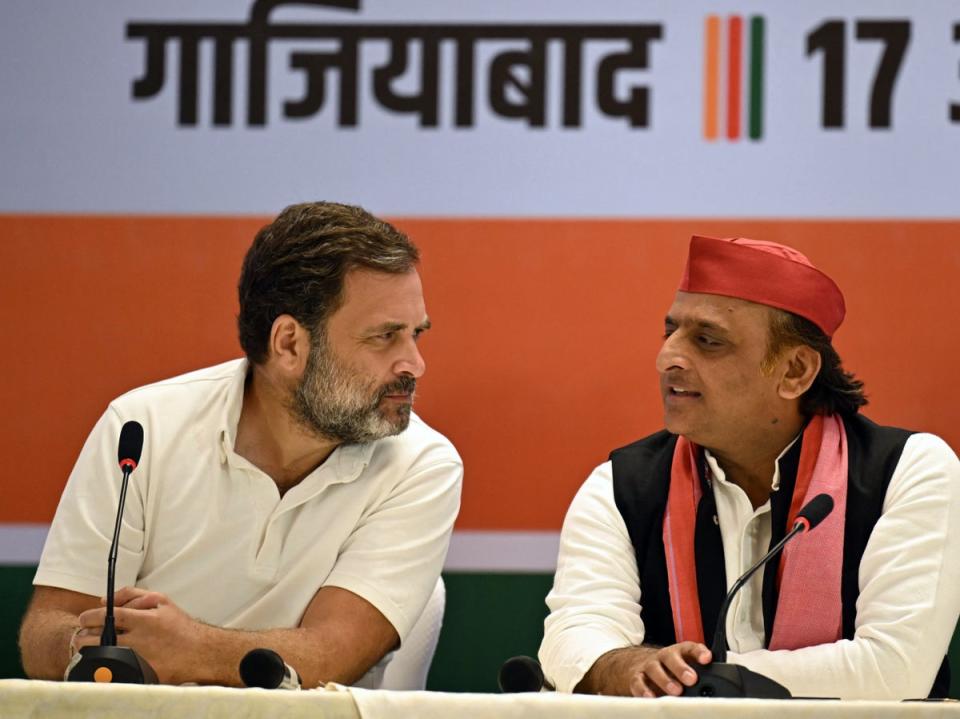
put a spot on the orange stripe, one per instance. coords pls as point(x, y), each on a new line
point(540, 362)
point(734, 83)
point(711, 78)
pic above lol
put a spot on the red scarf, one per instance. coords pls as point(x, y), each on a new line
point(809, 607)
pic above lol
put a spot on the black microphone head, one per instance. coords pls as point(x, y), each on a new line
point(520, 674)
point(816, 510)
point(130, 446)
point(262, 668)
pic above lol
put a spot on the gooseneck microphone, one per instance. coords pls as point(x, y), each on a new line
point(809, 517)
point(719, 679)
point(266, 669)
point(129, 450)
point(108, 662)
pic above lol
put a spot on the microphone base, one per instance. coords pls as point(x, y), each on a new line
point(106, 665)
point(733, 681)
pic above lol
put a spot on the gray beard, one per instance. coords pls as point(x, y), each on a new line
point(333, 403)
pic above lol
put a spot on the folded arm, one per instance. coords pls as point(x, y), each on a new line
point(340, 638)
point(593, 633)
point(50, 623)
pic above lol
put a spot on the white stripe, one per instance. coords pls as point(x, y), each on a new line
point(503, 551)
point(470, 551)
point(534, 172)
point(22, 543)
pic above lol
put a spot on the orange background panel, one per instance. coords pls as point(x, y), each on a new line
point(540, 360)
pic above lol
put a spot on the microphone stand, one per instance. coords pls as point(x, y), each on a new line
point(108, 662)
point(720, 679)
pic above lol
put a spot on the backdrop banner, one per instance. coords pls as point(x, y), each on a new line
point(483, 107)
point(551, 159)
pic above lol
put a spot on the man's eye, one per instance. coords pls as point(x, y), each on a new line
point(708, 341)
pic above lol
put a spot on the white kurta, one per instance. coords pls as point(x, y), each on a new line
point(909, 581)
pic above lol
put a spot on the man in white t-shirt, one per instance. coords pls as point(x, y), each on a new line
point(290, 500)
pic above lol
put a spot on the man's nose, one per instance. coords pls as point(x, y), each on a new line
point(411, 361)
point(671, 355)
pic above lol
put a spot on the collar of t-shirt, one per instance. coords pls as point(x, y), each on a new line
point(345, 464)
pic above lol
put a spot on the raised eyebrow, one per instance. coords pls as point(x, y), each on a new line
point(425, 325)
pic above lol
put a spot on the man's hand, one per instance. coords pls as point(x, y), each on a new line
point(155, 628)
point(667, 670)
point(339, 638)
point(646, 671)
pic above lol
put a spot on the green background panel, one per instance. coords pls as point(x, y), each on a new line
point(489, 618)
point(16, 584)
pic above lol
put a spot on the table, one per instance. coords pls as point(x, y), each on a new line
point(22, 699)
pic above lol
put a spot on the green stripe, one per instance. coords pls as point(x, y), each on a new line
point(489, 618)
point(17, 584)
point(756, 77)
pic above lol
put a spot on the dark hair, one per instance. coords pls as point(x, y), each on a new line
point(297, 265)
point(834, 391)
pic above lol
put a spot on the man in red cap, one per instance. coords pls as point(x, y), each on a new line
point(760, 417)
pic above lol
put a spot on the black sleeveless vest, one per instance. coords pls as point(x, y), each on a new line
point(641, 479)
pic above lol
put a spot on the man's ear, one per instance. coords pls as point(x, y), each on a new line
point(289, 345)
point(802, 367)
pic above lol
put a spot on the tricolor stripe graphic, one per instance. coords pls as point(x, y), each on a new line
point(730, 77)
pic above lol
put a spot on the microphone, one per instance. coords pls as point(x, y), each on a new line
point(108, 662)
point(521, 674)
point(128, 456)
point(814, 512)
point(719, 679)
point(266, 669)
point(130, 446)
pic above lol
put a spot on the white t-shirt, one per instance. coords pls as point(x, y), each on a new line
point(210, 530)
point(909, 580)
